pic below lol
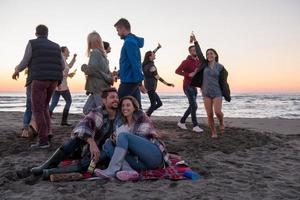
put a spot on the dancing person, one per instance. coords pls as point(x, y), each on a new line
point(150, 82)
point(188, 69)
point(136, 145)
point(98, 75)
point(45, 66)
point(63, 89)
point(91, 131)
point(130, 72)
point(212, 79)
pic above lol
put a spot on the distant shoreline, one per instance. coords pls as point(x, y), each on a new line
point(179, 92)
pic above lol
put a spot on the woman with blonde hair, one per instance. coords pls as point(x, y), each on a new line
point(98, 75)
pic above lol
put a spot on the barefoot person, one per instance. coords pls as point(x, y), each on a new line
point(63, 89)
point(91, 131)
point(188, 69)
point(150, 82)
point(212, 78)
point(27, 117)
point(137, 146)
point(98, 75)
point(131, 75)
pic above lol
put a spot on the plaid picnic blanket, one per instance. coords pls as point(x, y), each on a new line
point(173, 172)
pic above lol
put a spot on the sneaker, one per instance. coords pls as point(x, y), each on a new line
point(127, 175)
point(40, 146)
point(182, 125)
point(197, 129)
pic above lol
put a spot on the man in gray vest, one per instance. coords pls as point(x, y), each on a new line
point(45, 65)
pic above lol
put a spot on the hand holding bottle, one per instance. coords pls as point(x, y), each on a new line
point(192, 37)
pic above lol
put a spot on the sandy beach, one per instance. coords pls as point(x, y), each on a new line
point(254, 159)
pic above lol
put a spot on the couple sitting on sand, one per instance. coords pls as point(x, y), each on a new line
point(126, 137)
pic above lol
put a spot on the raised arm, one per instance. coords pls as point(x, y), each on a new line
point(70, 65)
point(198, 49)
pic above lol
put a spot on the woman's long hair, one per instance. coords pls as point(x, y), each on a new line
point(215, 52)
point(134, 102)
point(147, 57)
point(94, 41)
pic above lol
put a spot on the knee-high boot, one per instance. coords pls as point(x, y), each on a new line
point(115, 164)
point(58, 156)
point(64, 120)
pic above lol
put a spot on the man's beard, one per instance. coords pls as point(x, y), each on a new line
point(114, 107)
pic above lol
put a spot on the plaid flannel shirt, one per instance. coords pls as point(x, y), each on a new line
point(94, 125)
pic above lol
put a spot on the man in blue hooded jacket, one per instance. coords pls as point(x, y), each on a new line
point(131, 74)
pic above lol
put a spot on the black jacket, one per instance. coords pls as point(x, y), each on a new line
point(46, 60)
point(198, 78)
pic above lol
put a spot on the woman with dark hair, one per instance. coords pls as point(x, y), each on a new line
point(63, 89)
point(136, 145)
point(212, 79)
point(151, 78)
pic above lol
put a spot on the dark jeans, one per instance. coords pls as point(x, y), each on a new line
point(74, 146)
point(55, 98)
point(154, 101)
point(130, 89)
point(41, 93)
point(191, 93)
point(28, 112)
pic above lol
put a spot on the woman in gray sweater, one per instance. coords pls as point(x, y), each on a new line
point(98, 75)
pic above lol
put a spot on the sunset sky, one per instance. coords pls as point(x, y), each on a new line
point(257, 41)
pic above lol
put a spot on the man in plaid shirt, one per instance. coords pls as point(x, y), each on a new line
point(91, 132)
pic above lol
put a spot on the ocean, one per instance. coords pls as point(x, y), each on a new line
point(243, 105)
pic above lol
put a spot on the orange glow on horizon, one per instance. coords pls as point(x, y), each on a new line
point(237, 85)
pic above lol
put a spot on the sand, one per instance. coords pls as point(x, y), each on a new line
point(254, 159)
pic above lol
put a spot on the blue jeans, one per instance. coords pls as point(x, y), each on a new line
point(28, 112)
point(142, 153)
point(55, 98)
point(93, 101)
point(130, 89)
point(154, 101)
point(191, 93)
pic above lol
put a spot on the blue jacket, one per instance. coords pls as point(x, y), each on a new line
point(130, 60)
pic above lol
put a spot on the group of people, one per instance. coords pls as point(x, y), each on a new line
point(114, 133)
point(209, 75)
